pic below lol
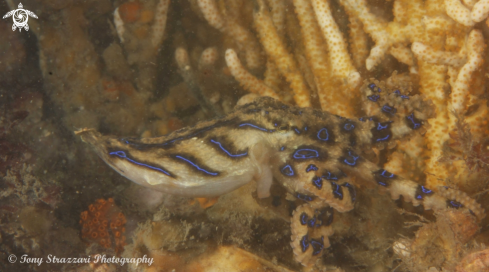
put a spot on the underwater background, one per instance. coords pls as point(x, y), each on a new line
point(147, 68)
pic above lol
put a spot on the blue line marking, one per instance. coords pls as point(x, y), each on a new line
point(305, 153)
point(227, 152)
point(372, 86)
point(381, 127)
point(312, 222)
point(297, 131)
point(337, 191)
point(317, 246)
point(303, 218)
point(383, 139)
point(304, 243)
point(123, 155)
point(323, 131)
point(303, 197)
point(253, 126)
point(401, 95)
point(387, 174)
point(455, 204)
point(426, 190)
point(318, 182)
point(196, 166)
point(330, 176)
point(388, 109)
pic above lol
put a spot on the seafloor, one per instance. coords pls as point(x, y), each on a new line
point(74, 68)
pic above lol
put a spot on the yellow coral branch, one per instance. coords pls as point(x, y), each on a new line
point(341, 64)
point(277, 52)
point(247, 80)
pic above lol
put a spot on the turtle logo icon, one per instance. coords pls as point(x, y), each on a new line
point(20, 17)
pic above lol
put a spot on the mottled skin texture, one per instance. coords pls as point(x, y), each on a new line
point(310, 152)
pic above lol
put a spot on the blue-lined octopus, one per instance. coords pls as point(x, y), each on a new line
point(311, 153)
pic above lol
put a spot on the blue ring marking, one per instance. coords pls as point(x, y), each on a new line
point(382, 183)
point(373, 97)
point(383, 139)
point(287, 170)
point(317, 246)
point(337, 190)
point(304, 243)
point(318, 182)
point(372, 86)
point(351, 189)
point(196, 166)
point(300, 112)
point(311, 167)
point(349, 126)
point(355, 158)
point(381, 127)
point(397, 92)
point(123, 155)
point(305, 153)
point(305, 128)
point(303, 218)
point(266, 112)
point(227, 152)
point(455, 204)
point(303, 197)
point(312, 222)
point(254, 126)
point(388, 109)
point(323, 131)
point(330, 176)
point(275, 124)
point(282, 148)
point(415, 124)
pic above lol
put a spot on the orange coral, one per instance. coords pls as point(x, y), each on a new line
point(130, 12)
point(104, 223)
